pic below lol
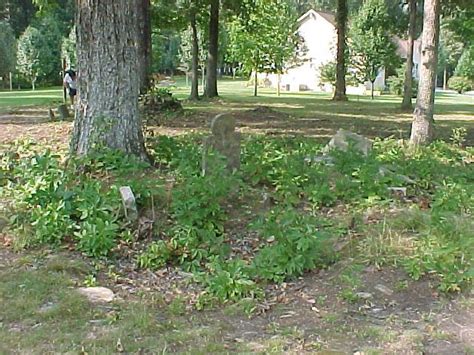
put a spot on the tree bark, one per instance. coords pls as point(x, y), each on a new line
point(445, 78)
point(195, 59)
point(108, 84)
point(278, 84)
point(144, 44)
point(213, 51)
point(255, 84)
point(372, 90)
point(408, 83)
point(422, 129)
point(340, 91)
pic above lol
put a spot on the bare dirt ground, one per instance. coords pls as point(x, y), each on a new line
point(391, 314)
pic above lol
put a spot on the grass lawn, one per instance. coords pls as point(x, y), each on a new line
point(39, 97)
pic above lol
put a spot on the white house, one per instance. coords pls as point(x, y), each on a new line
point(318, 30)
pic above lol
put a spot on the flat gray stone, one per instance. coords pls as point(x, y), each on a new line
point(97, 294)
point(384, 289)
point(364, 295)
point(343, 139)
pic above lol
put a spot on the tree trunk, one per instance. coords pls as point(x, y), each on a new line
point(422, 129)
point(340, 92)
point(212, 55)
point(372, 89)
point(203, 77)
point(408, 83)
point(108, 84)
point(144, 43)
point(445, 78)
point(255, 85)
point(195, 59)
point(278, 85)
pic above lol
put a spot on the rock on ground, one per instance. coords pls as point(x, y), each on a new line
point(97, 294)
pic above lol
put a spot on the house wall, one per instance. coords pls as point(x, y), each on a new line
point(320, 38)
point(320, 41)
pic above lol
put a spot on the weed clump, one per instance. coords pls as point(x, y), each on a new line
point(427, 230)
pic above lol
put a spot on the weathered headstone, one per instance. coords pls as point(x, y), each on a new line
point(129, 203)
point(225, 140)
point(343, 139)
point(63, 112)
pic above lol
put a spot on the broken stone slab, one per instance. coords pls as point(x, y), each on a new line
point(385, 171)
point(63, 112)
point(224, 140)
point(364, 295)
point(343, 140)
point(383, 289)
point(129, 203)
point(97, 294)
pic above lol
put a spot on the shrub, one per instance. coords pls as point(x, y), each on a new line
point(465, 66)
point(460, 84)
point(297, 243)
point(50, 203)
point(396, 83)
point(159, 99)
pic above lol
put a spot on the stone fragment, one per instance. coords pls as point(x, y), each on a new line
point(97, 294)
point(384, 289)
point(223, 140)
point(364, 295)
point(129, 203)
point(343, 139)
point(399, 191)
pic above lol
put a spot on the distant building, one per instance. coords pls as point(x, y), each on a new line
point(318, 31)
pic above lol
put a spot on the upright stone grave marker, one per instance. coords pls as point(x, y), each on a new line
point(129, 203)
point(225, 140)
point(63, 112)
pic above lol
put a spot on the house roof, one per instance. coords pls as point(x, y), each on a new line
point(330, 17)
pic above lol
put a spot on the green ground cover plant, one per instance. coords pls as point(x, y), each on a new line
point(55, 201)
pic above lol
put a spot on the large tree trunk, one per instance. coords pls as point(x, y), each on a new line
point(340, 92)
point(195, 59)
point(212, 55)
point(408, 83)
point(144, 43)
point(108, 84)
point(422, 129)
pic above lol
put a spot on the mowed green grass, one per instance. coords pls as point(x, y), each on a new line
point(40, 97)
point(379, 117)
point(41, 312)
